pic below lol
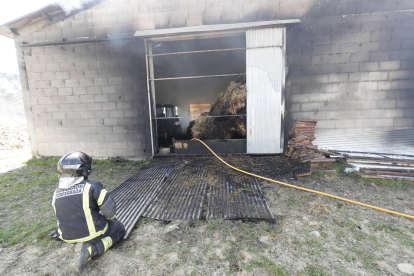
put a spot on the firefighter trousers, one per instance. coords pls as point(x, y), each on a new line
point(114, 233)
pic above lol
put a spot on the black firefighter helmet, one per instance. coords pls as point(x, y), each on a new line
point(75, 164)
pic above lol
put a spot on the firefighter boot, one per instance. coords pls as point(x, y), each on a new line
point(83, 252)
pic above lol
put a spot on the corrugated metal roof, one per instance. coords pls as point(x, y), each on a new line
point(400, 141)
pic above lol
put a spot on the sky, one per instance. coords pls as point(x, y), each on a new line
point(10, 10)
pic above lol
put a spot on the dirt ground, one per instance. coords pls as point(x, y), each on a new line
point(312, 234)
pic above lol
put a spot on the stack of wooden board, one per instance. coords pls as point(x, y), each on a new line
point(300, 144)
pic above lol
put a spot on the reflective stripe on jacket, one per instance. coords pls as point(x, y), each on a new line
point(77, 211)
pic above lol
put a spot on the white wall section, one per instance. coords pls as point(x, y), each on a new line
point(265, 77)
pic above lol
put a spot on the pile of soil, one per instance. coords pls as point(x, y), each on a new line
point(231, 102)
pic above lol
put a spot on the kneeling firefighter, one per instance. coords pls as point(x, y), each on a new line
point(84, 210)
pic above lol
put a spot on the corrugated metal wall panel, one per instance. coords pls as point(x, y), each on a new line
point(399, 141)
point(265, 76)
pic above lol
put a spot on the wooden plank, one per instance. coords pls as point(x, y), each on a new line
point(388, 173)
point(384, 177)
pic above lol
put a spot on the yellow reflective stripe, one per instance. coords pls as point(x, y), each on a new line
point(88, 238)
point(88, 214)
point(101, 197)
point(107, 242)
point(90, 250)
point(112, 217)
point(53, 201)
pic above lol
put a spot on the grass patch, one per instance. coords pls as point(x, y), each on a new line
point(267, 265)
point(340, 166)
point(26, 194)
point(388, 182)
point(318, 173)
point(312, 270)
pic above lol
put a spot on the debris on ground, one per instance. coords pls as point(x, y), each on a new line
point(300, 145)
point(231, 102)
point(380, 166)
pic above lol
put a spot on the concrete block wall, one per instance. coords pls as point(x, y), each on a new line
point(88, 97)
point(349, 67)
point(353, 71)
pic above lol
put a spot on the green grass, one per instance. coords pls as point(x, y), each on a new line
point(340, 166)
point(267, 265)
point(388, 182)
point(26, 194)
point(312, 270)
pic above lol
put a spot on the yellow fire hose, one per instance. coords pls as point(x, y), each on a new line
point(304, 189)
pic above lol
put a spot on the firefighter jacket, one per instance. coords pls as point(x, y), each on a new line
point(82, 211)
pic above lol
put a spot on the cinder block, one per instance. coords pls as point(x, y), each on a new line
point(339, 58)
point(65, 91)
point(376, 95)
point(319, 59)
point(94, 106)
point(43, 84)
point(108, 89)
point(388, 85)
point(72, 99)
point(393, 113)
point(71, 83)
point(364, 122)
point(62, 75)
point(116, 113)
point(90, 130)
point(59, 115)
point(79, 91)
point(400, 55)
point(115, 80)
point(368, 66)
point(96, 122)
point(109, 105)
point(386, 104)
point(338, 77)
point(300, 98)
point(404, 122)
point(389, 65)
point(58, 99)
point(380, 36)
point(110, 121)
point(44, 100)
point(378, 76)
point(91, 74)
point(341, 38)
point(105, 129)
point(360, 76)
point(100, 81)
point(124, 105)
point(59, 58)
point(86, 82)
point(95, 90)
point(45, 59)
point(367, 86)
point(101, 98)
point(34, 76)
point(87, 98)
point(67, 66)
point(328, 106)
point(38, 68)
point(311, 70)
point(360, 37)
point(101, 114)
point(400, 75)
point(345, 124)
point(321, 40)
point(54, 67)
point(379, 56)
point(119, 129)
point(88, 114)
point(390, 45)
point(309, 107)
point(66, 107)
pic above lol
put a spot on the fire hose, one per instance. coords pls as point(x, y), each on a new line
point(304, 189)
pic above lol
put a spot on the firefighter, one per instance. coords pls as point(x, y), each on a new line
point(84, 210)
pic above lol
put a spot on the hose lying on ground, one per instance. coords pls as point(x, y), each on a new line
point(307, 190)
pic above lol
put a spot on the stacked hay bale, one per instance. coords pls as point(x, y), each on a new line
point(231, 102)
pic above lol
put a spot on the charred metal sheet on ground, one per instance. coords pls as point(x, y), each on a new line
point(240, 197)
point(135, 194)
point(182, 195)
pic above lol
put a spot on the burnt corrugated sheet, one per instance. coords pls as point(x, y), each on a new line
point(180, 192)
point(237, 198)
point(182, 195)
point(135, 194)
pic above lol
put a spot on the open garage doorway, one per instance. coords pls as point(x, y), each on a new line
point(198, 87)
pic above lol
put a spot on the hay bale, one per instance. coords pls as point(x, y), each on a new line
point(231, 102)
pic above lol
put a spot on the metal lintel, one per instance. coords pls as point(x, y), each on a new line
point(198, 77)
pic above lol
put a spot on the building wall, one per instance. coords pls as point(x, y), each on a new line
point(349, 67)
